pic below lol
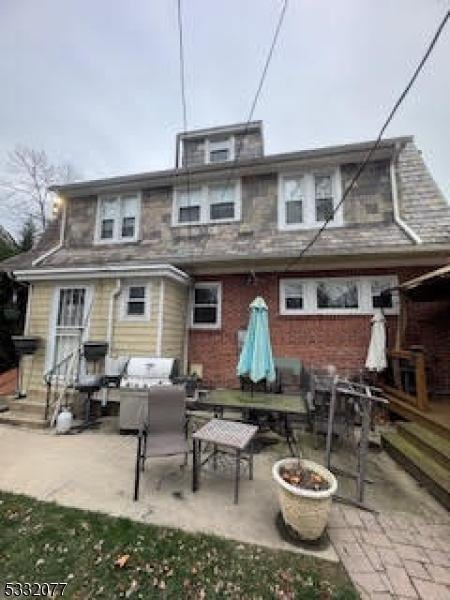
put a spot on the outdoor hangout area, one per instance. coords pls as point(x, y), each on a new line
point(292, 460)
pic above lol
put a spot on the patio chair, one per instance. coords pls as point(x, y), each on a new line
point(162, 431)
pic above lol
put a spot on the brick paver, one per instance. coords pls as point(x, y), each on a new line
point(431, 591)
point(393, 556)
point(416, 569)
point(400, 582)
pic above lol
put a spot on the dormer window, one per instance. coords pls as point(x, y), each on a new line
point(219, 150)
point(117, 218)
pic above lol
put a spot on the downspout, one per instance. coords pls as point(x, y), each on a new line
point(187, 328)
point(62, 229)
point(159, 335)
point(110, 329)
point(397, 218)
point(109, 332)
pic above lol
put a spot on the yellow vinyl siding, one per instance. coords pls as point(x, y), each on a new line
point(33, 367)
point(174, 320)
point(129, 338)
point(137, 338)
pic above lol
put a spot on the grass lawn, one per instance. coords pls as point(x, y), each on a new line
point(43, 542)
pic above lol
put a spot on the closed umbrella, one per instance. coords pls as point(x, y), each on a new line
point(256, 360)
point(376, 355)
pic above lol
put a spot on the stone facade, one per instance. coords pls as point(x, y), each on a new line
point(370, 200)
point(258, 230)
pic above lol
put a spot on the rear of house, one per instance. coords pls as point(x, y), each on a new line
point(166, 263)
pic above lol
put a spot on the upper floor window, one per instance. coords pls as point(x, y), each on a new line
point(339, 295)
point(307, 200)
point(209, 203)
point(219, 150)
point(117, 218)
point(136, 302)
point(207, 305)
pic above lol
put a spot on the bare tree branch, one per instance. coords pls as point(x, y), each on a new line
point(24, 187)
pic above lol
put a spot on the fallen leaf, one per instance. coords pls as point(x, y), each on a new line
point(122, 561)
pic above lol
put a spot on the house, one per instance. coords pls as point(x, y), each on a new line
point(166, 263)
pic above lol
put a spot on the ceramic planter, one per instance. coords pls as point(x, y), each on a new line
point(305, 511)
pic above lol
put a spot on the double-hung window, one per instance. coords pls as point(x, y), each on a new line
point(117, 218)
point(307, 199)
point(323, 195)
point(219, 150)
point(189, 205)
point(293, 191)
point(207, 305)
point(207, 203)
point(136, 302)
point(338, 295)
point(222, 201)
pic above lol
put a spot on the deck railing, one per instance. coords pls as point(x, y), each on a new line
point(406, 377)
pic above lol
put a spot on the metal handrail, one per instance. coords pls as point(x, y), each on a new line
point(48, 375)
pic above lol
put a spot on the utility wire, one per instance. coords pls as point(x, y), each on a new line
point(375, 145)
point(183, 95)
point(256, 97)
point(181, 58)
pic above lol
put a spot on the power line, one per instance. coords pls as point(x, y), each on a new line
point(255, 98)
point(375, 145)
point(181, 58)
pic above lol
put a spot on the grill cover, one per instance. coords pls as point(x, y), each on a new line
point(143, 372)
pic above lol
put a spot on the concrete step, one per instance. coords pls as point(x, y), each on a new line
point(20, 419)
point(23, 405)
point(432, 475)
point(431, 444)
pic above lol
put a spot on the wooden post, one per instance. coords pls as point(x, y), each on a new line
point(401, 323)
point(421, 381)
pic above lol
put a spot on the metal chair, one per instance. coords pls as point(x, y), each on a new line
point(162, 431)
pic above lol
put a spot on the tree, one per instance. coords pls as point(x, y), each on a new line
point(27, 235)
point(8, 246)
point(24, 188)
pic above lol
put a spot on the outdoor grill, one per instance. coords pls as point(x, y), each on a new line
point(142, 373)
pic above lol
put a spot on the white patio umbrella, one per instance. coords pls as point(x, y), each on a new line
point(376, 355)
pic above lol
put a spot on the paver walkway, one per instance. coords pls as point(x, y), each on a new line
point(393, 556)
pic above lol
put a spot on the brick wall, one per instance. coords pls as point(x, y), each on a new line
point(317, 340)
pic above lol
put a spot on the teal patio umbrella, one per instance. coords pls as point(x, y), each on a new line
point(256, 360)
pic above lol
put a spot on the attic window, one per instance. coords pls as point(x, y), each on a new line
point(219, 150)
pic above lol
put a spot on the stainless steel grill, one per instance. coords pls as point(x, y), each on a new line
point(143, 372)
point(140, 374)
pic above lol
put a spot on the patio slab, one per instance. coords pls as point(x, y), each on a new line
point(95, 471)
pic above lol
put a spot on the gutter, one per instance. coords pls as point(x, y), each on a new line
point(397, 218)
point(38, 260)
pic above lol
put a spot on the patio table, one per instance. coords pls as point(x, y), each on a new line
point(232, 435)
point(260, 403)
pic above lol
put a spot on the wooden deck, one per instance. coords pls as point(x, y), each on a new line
point(436, 418)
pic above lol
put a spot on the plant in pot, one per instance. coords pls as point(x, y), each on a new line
point(305, 491)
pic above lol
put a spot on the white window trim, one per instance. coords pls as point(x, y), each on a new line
point(230, 145)
point(125, 295)
point(207, 284)
point(117, 239)
point(310, 296)
point(204, 205)
point(309, 204)
point(51, 346)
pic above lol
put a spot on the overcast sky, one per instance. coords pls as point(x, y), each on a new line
point(96, 82)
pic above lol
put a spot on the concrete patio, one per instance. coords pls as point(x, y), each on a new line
point(401, 552)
